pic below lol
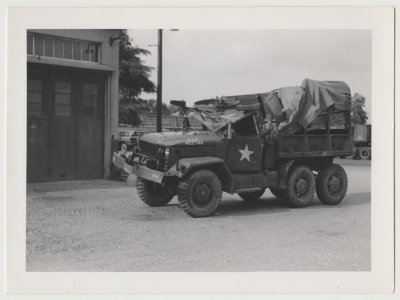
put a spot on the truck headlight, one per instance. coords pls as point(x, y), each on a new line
point(166, 152)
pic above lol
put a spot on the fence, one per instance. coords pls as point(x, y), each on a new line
point(149, 121)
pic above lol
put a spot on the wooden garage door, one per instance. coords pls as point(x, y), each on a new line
point(62, 126)
point(90, 136)
point(68, 141)
point(37, 126)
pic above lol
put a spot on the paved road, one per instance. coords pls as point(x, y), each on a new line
point(102, 226)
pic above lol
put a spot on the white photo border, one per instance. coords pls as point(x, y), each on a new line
point(378, 19)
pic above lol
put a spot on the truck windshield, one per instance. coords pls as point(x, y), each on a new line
point(245, 126)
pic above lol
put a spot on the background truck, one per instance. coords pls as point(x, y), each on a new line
point(362, 141)
point(249, 143)
point(128, 137)
point(124, 138)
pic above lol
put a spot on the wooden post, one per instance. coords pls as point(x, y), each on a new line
point(159, 83)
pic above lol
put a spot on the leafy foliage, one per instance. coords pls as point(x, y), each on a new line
point(129, 112)
point(134, 79)
point(133, 73)
point(128, 115)
point(358, 114)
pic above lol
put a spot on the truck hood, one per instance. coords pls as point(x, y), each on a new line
point(189, 138)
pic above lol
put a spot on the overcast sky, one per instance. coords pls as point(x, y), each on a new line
point(200, 64)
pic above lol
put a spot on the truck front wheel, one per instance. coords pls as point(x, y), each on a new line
point(301, 187)
point(251, 196)
point(152, 193)
point(331, 184)
point(200, 194)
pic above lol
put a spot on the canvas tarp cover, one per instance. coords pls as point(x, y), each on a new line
point(293, 108)
point(321, 95)
point(214, 121)
point(298, 107)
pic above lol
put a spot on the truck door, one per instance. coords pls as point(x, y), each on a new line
point(244, 152)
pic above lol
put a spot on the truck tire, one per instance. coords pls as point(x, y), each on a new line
point(123, 147)
point(301, 187)
point(278, 193)
point(152, 193)
point(365, 153)
point(200, 194)
point(252, 196)
point(331, 184)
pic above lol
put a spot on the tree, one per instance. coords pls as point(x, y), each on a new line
point(133, 73)
point(153, 106)
point(128, 115)
point(134, 79)
point(358, 114)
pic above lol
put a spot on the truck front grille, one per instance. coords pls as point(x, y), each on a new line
point(150, 157)
point(155, 163)
point(148, 148)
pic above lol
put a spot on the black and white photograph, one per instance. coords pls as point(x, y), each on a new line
point(278, 163)
point(174, 149)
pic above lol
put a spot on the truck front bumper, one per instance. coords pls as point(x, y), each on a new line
point(138, 170)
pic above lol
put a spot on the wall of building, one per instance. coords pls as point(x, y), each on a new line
point(108, 62)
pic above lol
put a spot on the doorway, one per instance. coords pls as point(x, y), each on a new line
point(65, 128)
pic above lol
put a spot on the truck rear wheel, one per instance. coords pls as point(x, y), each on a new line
point(301, 187)
point(364, 153)
point(278, 193)
point(252, 196)
point(200, 194)
point(331, 184)
point(152, 193)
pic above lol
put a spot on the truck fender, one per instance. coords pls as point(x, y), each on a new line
point(186, 166)
point(283, 173)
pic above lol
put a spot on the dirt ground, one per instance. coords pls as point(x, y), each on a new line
point(101, 225)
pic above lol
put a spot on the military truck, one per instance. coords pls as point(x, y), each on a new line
point(362, 141)
point(264, 141)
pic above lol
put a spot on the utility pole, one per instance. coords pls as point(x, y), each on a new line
point(159, 83)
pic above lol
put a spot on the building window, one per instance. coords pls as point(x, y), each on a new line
point(65, 48)
point(62, 98)
point(77, 51)
point(58, 48)
point(49, 47)
point(34, 97)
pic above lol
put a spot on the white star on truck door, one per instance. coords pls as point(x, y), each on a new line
point(246, 153)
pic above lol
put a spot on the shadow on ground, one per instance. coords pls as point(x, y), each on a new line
point(42, 187)
point(266, 205)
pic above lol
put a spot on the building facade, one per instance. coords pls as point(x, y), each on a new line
point(72, 103)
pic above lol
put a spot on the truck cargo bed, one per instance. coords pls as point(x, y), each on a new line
point(314, 145)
